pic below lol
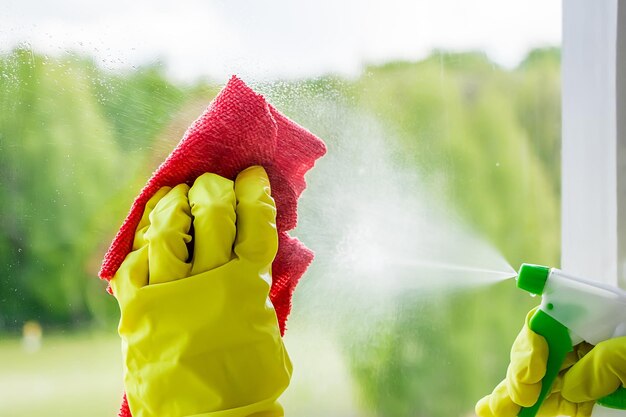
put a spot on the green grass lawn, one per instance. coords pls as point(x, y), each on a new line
point(71, 375)
point(80, 375)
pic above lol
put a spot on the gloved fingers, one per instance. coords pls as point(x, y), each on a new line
point(556, 405)
point(500, 404)
point(144, 223)
point(212, 201)
point(168, 235)
point(557, 385)
point(529, 355)
point(597, 374)
point(582, 349)
point(585, 409)
point(257, 238)
point(570, 359)
point(497, 404)
point(520, 392)
point(575, 355)
point(131, 275)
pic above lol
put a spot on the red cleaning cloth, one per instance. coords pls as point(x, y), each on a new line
point(237, 130)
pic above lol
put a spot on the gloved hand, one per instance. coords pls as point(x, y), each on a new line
point(199, 335)
point(597, 374)
point(522, 384)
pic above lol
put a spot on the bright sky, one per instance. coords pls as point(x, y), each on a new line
point(265, 39)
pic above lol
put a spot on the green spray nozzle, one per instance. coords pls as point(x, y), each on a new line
point(532, 278)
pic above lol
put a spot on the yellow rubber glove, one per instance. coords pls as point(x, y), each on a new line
point(522, 384)
point(200, 336)
point(597, 374)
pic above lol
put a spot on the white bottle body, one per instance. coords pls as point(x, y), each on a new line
point(592, 311)
point(599, 411)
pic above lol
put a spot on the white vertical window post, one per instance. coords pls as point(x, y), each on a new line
point(621, 143)
point(594, 140)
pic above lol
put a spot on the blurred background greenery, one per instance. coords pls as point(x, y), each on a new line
point(77, 142)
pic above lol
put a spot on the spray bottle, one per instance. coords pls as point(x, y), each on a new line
point(572, 310)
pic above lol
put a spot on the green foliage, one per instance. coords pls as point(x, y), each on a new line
point(539, 108)
point(467, 129)
point(64, 168)
point(137, 104)
point(488, 141)
point(76, 143)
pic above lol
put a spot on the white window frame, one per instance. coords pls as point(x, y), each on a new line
point(594, 140)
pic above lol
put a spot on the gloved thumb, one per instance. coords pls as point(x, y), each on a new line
point(597, 374)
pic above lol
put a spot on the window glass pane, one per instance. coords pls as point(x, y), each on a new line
point(442, 121)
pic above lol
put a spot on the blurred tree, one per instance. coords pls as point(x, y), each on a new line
point(64, 166)
point(487, 140)
point(138, 104)
point(464, 122)
point(76, 143)
point(538, 107)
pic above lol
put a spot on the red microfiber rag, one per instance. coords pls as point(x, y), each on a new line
point(237, 130)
